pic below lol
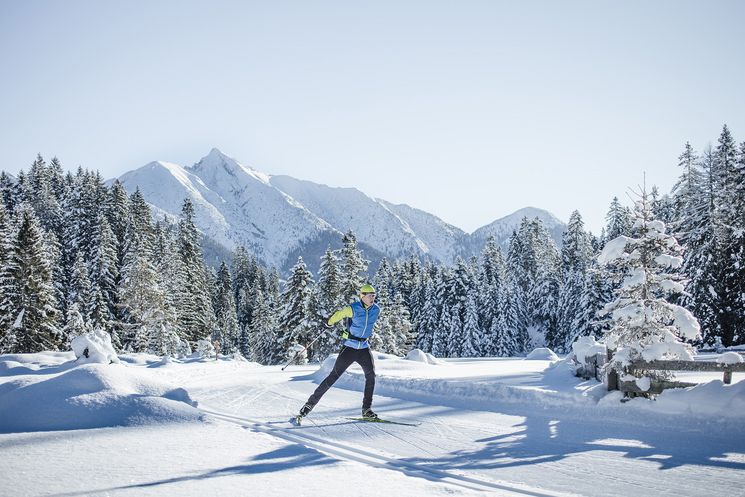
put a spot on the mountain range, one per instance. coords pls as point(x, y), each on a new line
point(278, 218)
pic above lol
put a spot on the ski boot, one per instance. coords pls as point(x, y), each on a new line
point(304, 411)
point(368, 414)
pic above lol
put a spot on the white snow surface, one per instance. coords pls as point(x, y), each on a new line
point(730, 358)
point(420, 356)
point(542, 354)
point(488, 427)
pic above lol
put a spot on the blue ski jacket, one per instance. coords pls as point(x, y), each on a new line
point(362, 322)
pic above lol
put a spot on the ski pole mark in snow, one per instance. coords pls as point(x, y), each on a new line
point(350, 452)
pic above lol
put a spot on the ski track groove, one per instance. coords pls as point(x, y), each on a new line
point(371, 458)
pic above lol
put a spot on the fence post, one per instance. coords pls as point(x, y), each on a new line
point(727, 377)
point(612, 373)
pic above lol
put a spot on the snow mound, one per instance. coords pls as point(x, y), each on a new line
point(419, 355)
point(542, 354)
point(713, 400)
point(730, 358)
point(585, 347)
point(90, 396)
point(94, 347)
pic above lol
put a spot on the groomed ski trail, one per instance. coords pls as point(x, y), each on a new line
point(349, 452)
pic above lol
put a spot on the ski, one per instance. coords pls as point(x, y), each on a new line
point(386, 421)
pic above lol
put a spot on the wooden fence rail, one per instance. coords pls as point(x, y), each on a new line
point(593, 368)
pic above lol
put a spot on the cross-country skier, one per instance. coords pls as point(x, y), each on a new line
point(363, 315)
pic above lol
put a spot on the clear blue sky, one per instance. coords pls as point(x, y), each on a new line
point(469, 110)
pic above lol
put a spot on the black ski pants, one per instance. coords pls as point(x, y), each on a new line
point(347, 356)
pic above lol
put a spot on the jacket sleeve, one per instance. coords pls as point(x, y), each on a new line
point(345, 312)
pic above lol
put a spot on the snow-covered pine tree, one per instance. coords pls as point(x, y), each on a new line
point(81, 298)
point(28, 293)
point(6, 278)
point(406, 284)
point(226, 329)
point(520, 282)
point(618, 220)
point(399, 321)
point(243, 283)
point(383, 338)
point(353, 267)
point(644, 325)
point(104, 276)
point(264, 340)
point(294, 319)
point(491, 277)
point(196, 315)
point(576, 256)
point(428, 312)
point(506, 335)
point(472, 336)
point(10, 193)
point(728, 231)
point(329, 299)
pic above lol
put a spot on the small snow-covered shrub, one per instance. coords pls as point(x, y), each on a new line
point(94, 346)
point(205, 349)
point(302, 358)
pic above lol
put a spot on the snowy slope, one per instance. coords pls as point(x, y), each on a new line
point(502, 228)
point(165, 185)
point(234, 205)
point(444, 240)
point(497, 426)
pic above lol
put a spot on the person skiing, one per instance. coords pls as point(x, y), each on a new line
point(360, 317)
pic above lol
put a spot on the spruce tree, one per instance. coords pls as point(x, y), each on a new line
point(196, 315)
point(28, 294)
point(353, 267)
point(293, 321)
point(644, 324)
point(226, 329)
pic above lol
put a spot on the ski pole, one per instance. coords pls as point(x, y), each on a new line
point(304, 349)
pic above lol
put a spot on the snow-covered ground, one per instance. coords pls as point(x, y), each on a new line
point(219, 427)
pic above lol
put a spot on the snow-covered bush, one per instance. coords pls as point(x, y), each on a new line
point(644, 325)
point(585, 347)
point(302, 358)
point(205, 349)
point(94, 346)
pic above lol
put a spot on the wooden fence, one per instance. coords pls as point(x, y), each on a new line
point(593, 367)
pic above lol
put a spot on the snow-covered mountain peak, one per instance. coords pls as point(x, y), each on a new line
point(216, 161)
point(280, 217)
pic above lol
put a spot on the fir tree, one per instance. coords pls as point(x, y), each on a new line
point(353, 267)
point(226, 330)
point(196, 314)
point(28, 293)
point(293, 322)
point(644, 324)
